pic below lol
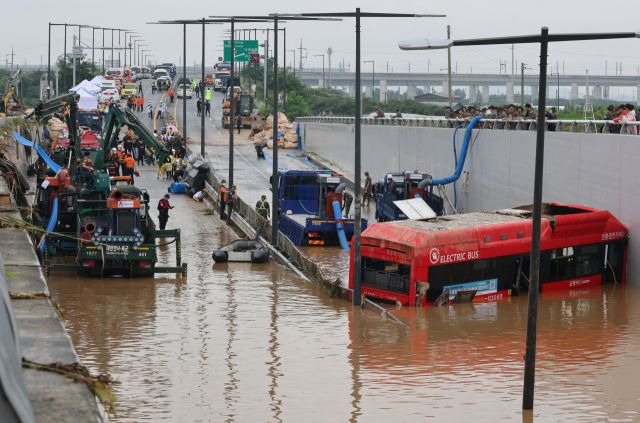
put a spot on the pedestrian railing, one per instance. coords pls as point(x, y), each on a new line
point(583, 126)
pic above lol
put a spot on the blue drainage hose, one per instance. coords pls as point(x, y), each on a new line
point(463, 154)
point(53, 219)
point(342, 237)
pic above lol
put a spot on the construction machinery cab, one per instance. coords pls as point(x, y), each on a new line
point(397, 186)
point(328, 193)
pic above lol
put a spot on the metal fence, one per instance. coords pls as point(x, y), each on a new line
point(582, 126)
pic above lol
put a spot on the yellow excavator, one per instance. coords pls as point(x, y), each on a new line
point(11, 102)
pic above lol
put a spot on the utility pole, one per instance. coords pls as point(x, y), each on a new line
point(265, 67)
point(321, 55)
point(522, 68)
point(301, 54)
point(588, 106)
point(449, 67)
point(202, 92)
point(513, 63)
point(329, 53)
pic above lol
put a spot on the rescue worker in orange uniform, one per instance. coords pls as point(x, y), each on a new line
point(222, 198)
point(129, 166)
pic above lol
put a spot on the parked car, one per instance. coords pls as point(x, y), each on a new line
point(107, 84)
point(188, 93)
point(114, 72)
point(160, 72)
point(107, 95)
point(163, 82)
point(128, 90)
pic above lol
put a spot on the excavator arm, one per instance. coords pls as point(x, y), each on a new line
point(67, 106)
point(120, 116)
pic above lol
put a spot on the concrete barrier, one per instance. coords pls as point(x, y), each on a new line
point(31, 331)
point(597, 170)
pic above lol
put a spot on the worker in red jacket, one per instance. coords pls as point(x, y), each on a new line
point(163, 210)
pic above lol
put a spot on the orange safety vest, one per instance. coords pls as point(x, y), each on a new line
point(223, 194)
point(129, 162)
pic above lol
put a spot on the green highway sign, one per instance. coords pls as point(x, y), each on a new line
point(245, 49)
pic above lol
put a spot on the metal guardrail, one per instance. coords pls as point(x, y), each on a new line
point(580, 126)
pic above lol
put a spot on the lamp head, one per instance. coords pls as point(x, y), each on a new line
point(424, 44)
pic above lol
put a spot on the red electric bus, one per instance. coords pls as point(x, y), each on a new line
point(415, 262)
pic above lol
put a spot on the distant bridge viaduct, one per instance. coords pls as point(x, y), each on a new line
point(476, 84)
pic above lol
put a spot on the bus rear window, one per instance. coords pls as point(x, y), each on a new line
point(386, 275)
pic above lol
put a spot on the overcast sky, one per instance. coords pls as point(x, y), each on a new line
point(25, 29)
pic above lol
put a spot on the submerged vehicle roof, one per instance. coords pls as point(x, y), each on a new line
point(492, 227)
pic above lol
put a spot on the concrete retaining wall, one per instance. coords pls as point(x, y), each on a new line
point(598, 170)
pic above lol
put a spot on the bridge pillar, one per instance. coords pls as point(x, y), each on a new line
point(383, 90)
point(411, 92)
point(510, 92)
point(320, 83)
point(597, 92)
point(534, 93)
point(473, 94)
point(485, 95)
point(351, 90)
point(445, 88)
point(427, 89)
point(637, 92)
point(574, 91)
point(605, 92)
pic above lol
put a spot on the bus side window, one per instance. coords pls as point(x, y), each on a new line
point(572, 262)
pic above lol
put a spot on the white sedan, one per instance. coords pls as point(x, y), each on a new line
point(107, 95)
point(181, 90)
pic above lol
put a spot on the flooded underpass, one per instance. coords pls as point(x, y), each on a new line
point(249, 342)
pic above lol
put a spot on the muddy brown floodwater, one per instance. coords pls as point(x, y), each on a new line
point(254, 343)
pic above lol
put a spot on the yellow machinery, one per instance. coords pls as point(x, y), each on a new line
point(11, 103)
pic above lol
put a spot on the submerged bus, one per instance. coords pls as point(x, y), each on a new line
point(415, 262)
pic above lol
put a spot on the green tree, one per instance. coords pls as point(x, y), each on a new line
point(84, 70)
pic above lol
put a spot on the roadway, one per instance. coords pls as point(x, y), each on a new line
point(252, 175)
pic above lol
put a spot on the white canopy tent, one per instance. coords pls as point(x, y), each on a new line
point(88, 100)
point(97, 80)
point(87, 86)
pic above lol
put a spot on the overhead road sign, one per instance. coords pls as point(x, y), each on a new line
point(244, 50)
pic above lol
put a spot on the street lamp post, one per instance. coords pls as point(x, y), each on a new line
point(132, 46)
point(49, 52)
point(127, 33)
point(274, 177)
point(522, 68)
point(373, 78)
point(201, 22)
point(534, 268)
point(321, 55)
point(103, 29)
point(357, 259)
point(141, 52)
